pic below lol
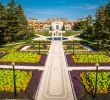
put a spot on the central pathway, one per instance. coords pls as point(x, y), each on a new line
point(55, 83)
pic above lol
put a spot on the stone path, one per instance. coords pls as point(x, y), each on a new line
point(55, 83)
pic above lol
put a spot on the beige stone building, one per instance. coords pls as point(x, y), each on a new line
point(51, 24)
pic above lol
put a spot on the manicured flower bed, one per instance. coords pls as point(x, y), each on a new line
point(10, 48)
point(71, 42)
point(36, 47)
point(27, 82)
point(84, 84)
point(42, 42)
point(89, 80)
point(76, 47)
point(6, 80)
point(21, 57)
point(88, 59)
point(91, 58)
point(41, 62)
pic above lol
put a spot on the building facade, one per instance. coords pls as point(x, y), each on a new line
point(51, 24)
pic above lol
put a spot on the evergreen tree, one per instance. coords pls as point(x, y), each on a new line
point(107, 22)
point(100, 28)
point(12, 22)
point(2, 23)
point(22, 19)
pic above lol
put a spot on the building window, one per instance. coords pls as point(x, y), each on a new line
point(57, 27)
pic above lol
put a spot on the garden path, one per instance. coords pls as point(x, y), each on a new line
point(55, 82)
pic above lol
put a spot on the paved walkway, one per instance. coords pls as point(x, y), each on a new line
point(55, 83)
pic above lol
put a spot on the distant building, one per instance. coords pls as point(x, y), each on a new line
point(51, 24)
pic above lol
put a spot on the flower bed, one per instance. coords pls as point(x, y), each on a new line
point(76, 47)
point(27, 82)
point(6, 80)
point(91, 58)
point(89, 80)
point(84, 84)
point(42, 42)
point(36, 62)
point(88, 59)
point(36, 47)
point(10, 48)
point(21, 57)
point(71, 42)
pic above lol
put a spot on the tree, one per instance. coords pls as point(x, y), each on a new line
point(22, 19)
point(12, 22)
point(2, 23)
point(107, 22)
point(100, 28)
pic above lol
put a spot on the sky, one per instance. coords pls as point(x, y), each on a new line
point(70, 9)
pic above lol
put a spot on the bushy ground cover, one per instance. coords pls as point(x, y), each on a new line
point(41, 42)
point(6, 80)
point(75, 47)
point(89, 81)
point(21, 57)
point(36, 47)
point(9, 48)
point(84, 84)
point(71, 42)
point(27, 82)
point(91, 57)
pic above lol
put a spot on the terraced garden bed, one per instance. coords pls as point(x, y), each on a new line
point(84, 84)
point(27, 82)
point(88, 59)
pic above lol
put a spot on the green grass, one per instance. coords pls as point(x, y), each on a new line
point(6, 80)
point(70, 33)
point(44, 33)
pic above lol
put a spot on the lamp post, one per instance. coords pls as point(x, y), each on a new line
point(14, 79)
point(39, 46)
point(73, 47)
point(97, 65)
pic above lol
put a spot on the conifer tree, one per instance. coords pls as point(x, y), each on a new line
point(12, 21)
point(2, 23)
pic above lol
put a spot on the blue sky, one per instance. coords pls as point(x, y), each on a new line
point(70, 9)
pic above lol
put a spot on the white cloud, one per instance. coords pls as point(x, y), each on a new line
point(86, 7)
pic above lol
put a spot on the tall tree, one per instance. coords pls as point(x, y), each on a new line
point(107, 23)
point(100, 28)
point(12, 21)
point(22, 19)
point(2, 23)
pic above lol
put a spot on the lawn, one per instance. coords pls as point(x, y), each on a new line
point(21, 57)
point(70, 33)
